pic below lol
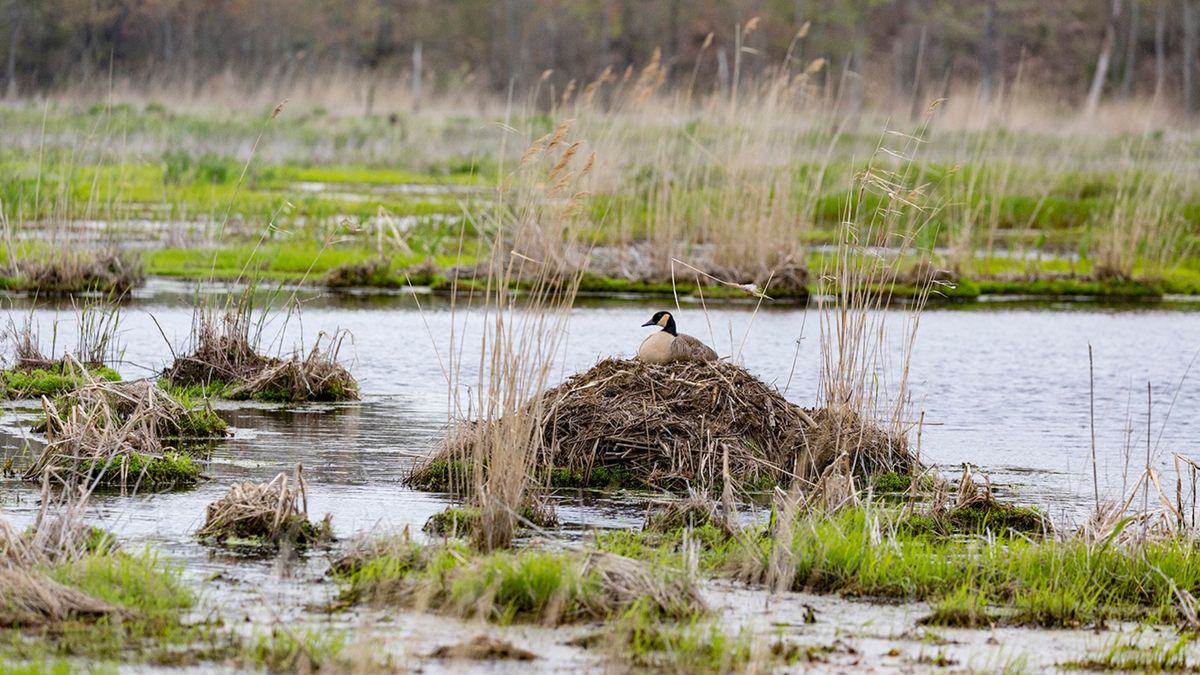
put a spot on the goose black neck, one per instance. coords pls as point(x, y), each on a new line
point(670, 327)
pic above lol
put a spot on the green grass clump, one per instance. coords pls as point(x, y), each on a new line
point(982, 519)
point(53, 381)
point(548, 587)
point(1047, 582)
point(282, 651)
point(151, 598)
point(963, 608)
point(692, 646)
point(1129, 654)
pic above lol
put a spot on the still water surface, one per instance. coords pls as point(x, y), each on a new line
point(1003, 387)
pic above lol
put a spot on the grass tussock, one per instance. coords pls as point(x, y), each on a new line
point(483, 648)
point(264, 514)
point(114, 273)
point(547, 587)
point(85, 595)
point(1047, 582)
point(373, 273)
point(225, 361)
point(31, 372)
point(685, 424)
point(117, 433)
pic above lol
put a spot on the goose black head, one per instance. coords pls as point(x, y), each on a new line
point(664, 320)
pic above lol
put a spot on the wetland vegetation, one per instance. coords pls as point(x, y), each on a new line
point(692, 516)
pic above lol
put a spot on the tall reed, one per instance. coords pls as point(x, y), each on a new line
point(536, 246)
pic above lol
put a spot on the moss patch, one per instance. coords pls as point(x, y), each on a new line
point(51, 381)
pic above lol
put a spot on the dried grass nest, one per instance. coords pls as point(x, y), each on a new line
point(678, 425)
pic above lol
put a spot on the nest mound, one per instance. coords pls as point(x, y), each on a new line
point(265, 514)
point(682, 424)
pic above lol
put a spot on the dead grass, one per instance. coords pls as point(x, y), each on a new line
point(226, 360)
point(29, 597)
point(269, 513)
point(678, 425)
point(113, 433)
point(112, 272)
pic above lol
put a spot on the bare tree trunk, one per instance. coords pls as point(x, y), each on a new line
point(1160, 48)
point(1189, 55)
point(417, 61)
point(1131, 42)
point(1106, 50)
point(915, 104)
point(14, 37)
point(987, 57)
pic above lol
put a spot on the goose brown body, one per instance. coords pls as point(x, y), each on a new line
point(668, 346)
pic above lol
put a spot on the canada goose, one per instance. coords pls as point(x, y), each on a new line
point(667, 346)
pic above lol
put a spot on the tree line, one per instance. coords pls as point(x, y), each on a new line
point(1081, 51)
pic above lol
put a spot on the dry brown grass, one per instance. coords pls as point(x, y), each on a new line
point(113, 272)
point(270, 513)
point(682, 424)
point(27, 596)
point(533, 230)
point(226, 354)
point(113, 432)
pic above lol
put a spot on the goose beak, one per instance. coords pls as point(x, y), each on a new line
point(649, 323)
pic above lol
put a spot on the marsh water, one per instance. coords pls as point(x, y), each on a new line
point(1002, 386)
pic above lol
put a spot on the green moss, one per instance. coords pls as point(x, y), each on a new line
point(454, 521)
point(169, 471)
point(458, 521)
point(600, 477)
point(1138, 290)
point(1001, 520)
point(51, 382)
point(441, 475)
point(892, 483)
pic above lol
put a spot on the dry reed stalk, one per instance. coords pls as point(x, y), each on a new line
point(226, 351)
point(96, 331)
point(853, 324)
point(534, 239)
